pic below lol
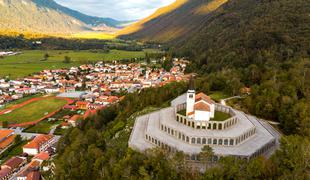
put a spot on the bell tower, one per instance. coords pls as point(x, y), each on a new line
point(190, 100)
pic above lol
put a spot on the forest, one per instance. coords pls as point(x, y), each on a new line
point(55, 43)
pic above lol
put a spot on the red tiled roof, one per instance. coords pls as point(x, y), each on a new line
point(34, 175)
point(75, 118)
point(37, 141)
point(4, 172)
point(14, 162)
point(202, 96)
point(5, 133)
point(202, 107)
point(42, 156)
point(5, 143)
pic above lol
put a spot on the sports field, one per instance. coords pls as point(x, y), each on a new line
point(33, 111)
point(31, 61)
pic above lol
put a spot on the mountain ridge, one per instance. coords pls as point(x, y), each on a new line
point(49, 18)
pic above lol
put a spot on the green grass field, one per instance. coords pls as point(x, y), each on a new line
point(220, 116)
point(43, 127)
point(33, 111)
point(218, 95)
point(31, 61)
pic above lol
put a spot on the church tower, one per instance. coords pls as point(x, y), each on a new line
point(190, 100)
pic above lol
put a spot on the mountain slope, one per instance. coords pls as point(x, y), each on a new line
point(174, 22)
point(25, 16)
point(89, 20)
point(48, 17)
point(236, 32)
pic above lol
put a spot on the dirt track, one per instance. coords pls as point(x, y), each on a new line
point(69, 101)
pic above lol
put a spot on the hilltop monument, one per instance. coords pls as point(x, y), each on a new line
point(194, 120)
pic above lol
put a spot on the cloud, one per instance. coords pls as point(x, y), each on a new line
point(118, 9)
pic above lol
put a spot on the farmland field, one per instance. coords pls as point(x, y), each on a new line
point(31, 61)
point(33, 111)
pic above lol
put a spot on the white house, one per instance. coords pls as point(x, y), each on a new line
point(39, 144)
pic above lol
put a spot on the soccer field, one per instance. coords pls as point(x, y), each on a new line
point(33, 111)
point(31, 61)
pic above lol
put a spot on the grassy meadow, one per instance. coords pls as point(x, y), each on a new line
point(43, 127)
point(31, 61)
point(33, 111)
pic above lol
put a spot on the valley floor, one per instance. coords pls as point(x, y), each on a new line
point(30, 61)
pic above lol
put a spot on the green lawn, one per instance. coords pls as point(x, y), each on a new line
point(182, 112)
point(218, 95)
point(220, 116)
point(44, 127)
point(31, 61)
point(33, 111)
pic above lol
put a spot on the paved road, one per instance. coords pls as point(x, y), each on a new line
point(23, 134)
point(223, 101)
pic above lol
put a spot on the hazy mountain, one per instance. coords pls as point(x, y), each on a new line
point(48, 17)
point(90, 20)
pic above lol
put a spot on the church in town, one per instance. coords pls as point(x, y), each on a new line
point(194, 120)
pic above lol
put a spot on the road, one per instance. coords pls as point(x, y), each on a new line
point(223, 101)
point(24, 135)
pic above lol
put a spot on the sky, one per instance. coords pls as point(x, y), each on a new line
point(117, 9)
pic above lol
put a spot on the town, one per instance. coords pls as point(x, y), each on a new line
point(84, 89)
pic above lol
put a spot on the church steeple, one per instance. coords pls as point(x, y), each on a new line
point(190, 100)
point(191, 83)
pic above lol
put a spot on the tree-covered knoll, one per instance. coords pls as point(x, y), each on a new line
point(261, 44)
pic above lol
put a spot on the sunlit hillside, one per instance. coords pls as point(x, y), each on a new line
point(162, 11)
point(173, 23)
point(93, 35)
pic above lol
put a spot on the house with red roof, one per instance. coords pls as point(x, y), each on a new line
point(82, 104)
point(7, 137)
point(73, 120)
point(10, 166)
point(39, 144)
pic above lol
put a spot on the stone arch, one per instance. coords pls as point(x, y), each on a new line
point(193, 141)
point(231, 142)
point(220, 126)
point(214, 141)
point(220, 141)
point(226, 142)
point(214, 126)
point(204, 141)
point(198, 140)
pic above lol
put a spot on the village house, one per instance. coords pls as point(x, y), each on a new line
point(10, 166)
point(73, 120)
point(7, 137)
point(39, 144)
